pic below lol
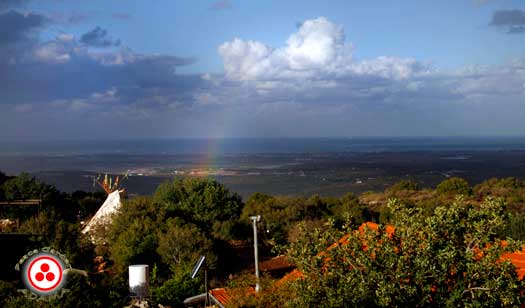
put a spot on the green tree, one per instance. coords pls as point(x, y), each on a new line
point(184, 219)
point(511, 189)
point(25, 187)
point(182, 244)
point(451, 258)
point(350, 210)
point(454, 186)
point(280, 214)
point(58, 206)
point(3, 178)
point(205, 203)
point(404, 185)
point(177, 288)
point(133, 234)
point(87, 203)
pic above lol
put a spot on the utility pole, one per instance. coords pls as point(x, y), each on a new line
point(255, 220)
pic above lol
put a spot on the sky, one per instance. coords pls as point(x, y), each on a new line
point(107, 69)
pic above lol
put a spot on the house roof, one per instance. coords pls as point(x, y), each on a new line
point(217, 297)
point(220, 295)
point(276, 263)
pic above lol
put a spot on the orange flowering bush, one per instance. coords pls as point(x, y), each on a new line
point(427, 260)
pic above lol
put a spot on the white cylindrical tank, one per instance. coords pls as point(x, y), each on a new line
point(139, 280)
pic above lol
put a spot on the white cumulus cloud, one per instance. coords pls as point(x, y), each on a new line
point(318, 49)
point(317, 44)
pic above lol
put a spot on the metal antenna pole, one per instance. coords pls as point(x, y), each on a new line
point(206, 287)
point(255, 219)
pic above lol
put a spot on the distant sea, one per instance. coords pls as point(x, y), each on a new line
point(263, 145)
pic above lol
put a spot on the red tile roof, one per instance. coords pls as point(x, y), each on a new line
point(276, 263)
point(221, 295)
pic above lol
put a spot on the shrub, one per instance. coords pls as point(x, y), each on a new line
point(454, 186)
point(451, 258)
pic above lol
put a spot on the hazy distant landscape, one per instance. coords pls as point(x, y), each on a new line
point(328, 166)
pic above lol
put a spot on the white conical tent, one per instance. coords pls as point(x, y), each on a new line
point(103, 215)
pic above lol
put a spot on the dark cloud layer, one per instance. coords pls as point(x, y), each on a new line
point(512, 20)
point(17, 27)
point(69, 88)
point(98, 37)
point(64, 71)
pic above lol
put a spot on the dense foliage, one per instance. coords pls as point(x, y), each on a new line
point(54, 223)
point(450, 258)
point(183, 220)
point(205, 203)
point(454, 186)
point(427, 262)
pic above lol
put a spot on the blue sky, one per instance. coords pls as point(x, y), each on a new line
point(166, 69)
